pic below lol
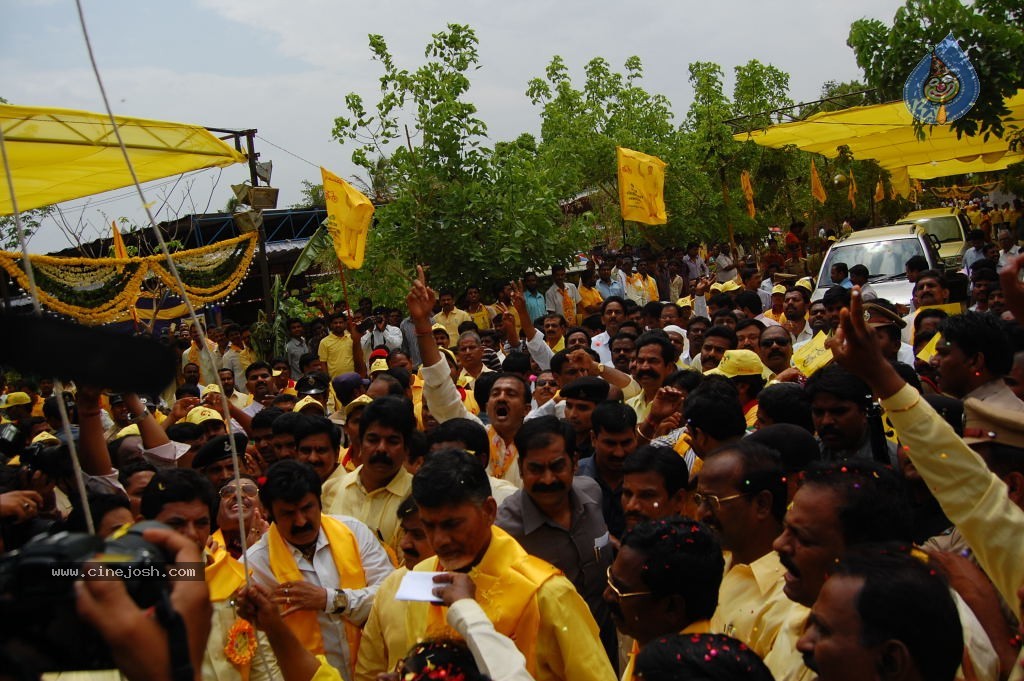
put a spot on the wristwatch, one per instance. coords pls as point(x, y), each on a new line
point(339, 603)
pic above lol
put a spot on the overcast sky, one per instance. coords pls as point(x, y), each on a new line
point(285, 67)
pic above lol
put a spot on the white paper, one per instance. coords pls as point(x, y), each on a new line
point(418, 586)
point(602, 541)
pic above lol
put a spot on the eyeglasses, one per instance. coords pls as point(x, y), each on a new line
point(546, 382)
point(619, 594)
point(713, 501)
point(781, 342)
point(249, 489)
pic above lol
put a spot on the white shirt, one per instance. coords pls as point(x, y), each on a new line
point(602, 345)
point(323, 572)
point(1006, 256)
point(391, 337)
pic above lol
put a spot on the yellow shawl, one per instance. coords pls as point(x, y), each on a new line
point(345, 552)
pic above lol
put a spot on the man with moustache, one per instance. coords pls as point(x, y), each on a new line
point(525, 598)
point(817, 317)
point(654, 484)
point(716, 341)
point(929, 289)
point(776, 349)
point(613, 313)
point(581, 397)
point(259, 381)
point(317, 443)
point(795, 305)
point(840, 403)
point(230, 521)
point(613, 435)
point(655, 360)
point(323, 570)
point(741, 496)
point(557, 516)
point(373, 492)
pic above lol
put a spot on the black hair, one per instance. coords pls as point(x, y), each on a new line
point(289, 423)
point(612, 299)
point(762, 471)
point(289, 480)
point(407, 508)
point(662, 460)
point(796, 446)
point(978, 333)
point(471, 434)
point(612, 417)
point(653, 309)
point(697, 319)
point(747, 323)
point(859, 270)
point(417, 444)
point(395, 388)
point(669, 353)
point(677, 546)
point(482, 387)
point(917, 263)
point(171, 485)
point(714, 407)
point(685, 379)
point(873, 502)
point(391, 412)
point(786, 403)
point(749, 300)
point(307, 359)
point(721, 301)
point(746, 273)
point(841, 267)
point(185, 390)
point(905, 600)
point(265, 418)
point(928, 313)
point(500, 375)
point(182, 431)
point(679, 656)
point(318, 425)
point(450, 477)
point(836, 381)
point(125, 472)
point(99, 506)
point(402, 375)
point(260, 364)
point(516, 362)
point(441, 658)
point(539, 433)
point(720, 331)
point(294, 320)
point(836, 295)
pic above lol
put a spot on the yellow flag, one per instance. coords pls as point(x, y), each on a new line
point(748, 191)
point(120, 251)
point(879, 192)
point(817, 190)
point(851, 193)
point(348, 219)
point(929, 350)
point(641, 187)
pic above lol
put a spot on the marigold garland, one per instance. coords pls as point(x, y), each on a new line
point(241, 645)
point(102, 290)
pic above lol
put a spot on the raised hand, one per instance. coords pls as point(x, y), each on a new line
point(421, 299)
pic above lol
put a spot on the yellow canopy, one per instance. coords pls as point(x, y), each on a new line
point(58, 154)
point(885, 133)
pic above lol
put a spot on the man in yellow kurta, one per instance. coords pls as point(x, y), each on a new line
point(373, 491)
point(971, 495)
point(526, 598)
point(741, 495)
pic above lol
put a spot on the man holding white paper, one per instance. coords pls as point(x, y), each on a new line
point(525, 598)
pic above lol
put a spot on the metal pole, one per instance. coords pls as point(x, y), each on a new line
point(268, 304)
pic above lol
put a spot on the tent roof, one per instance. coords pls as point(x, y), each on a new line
point(58, 154)
point(885, 133)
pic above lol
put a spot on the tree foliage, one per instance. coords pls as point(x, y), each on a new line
point(991, 32)
point(472, 213)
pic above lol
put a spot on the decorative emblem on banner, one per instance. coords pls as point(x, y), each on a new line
point(943, 86)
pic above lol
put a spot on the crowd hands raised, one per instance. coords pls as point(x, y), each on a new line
point(629, 477)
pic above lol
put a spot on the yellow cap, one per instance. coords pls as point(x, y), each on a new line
point(730, 286)
point(357, 403)
point(779, 289)
point(212, 388)
point(741, 363)
point(685, 302)
point(198, 415)
point(308, 401)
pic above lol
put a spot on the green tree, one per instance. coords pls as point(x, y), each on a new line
point(991, 32)
point(31, 221)
point(470, 212)
point(311, 196)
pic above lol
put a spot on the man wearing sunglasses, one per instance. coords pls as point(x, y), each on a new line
point(776, 348)
point(644, 590)
point(741, 496)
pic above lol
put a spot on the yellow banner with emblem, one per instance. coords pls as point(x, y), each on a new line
point(641, 187)
point(349, 214)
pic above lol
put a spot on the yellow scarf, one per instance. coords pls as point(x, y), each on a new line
point(568, 307)
point(502, 455)
point(507, 580)
point(345, 552)
point(224, 574)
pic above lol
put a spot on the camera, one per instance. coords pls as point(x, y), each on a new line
point(12, 439)
point(38, 621)
point(54, 461)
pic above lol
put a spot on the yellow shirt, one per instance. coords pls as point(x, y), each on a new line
point(384, 633)
point(377, 509)
point(336, 351)
point(751, 604)
point(588, 298)
point(640, 406)
point(567, 645)
point(451, 323)
point(332, 485)
point(482, 317)
point(785, 662)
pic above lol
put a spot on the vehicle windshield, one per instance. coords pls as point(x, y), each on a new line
point(945, 227)
point(884, 259)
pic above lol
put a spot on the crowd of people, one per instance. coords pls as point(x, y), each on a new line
point(630, 475)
